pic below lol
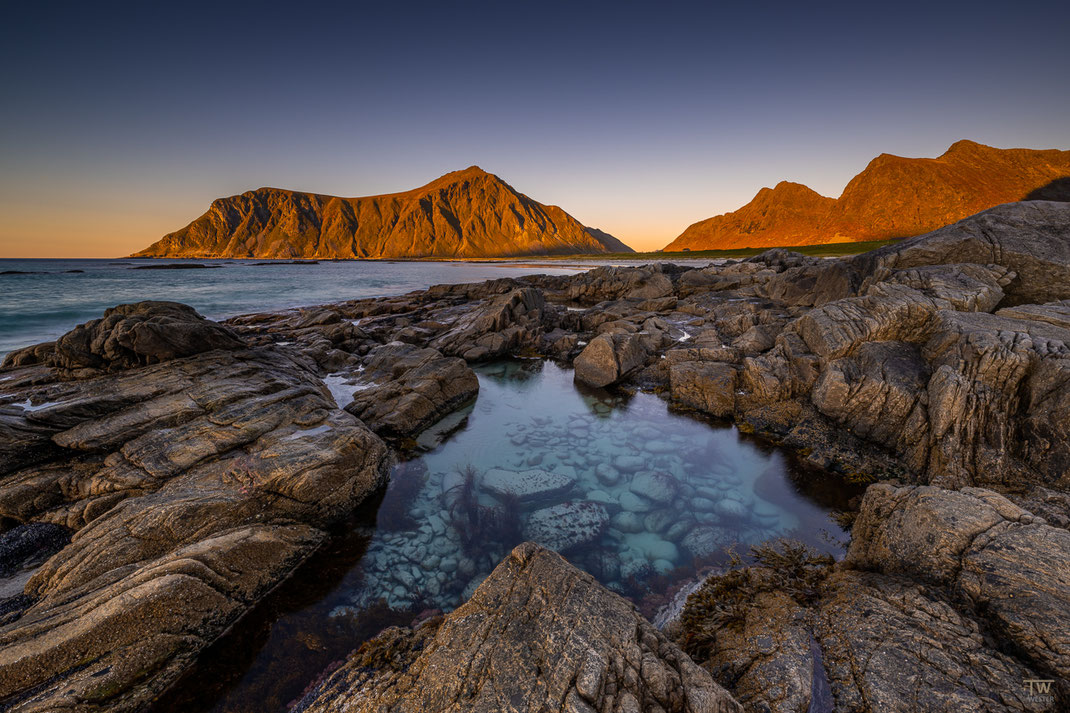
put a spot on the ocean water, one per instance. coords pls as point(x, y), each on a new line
point(42, 299)
point(641, 497)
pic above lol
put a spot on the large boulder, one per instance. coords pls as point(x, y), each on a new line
point(609, 358)
point(1030, 238)
point(946, 601)
point(537, 635)
point(997, 557)
point(706, 386)
point(499, 325)
point(407, 389)
point(132, 335)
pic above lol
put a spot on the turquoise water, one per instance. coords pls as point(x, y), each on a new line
point(47, 300)
point(628, 490)
point(641, 497)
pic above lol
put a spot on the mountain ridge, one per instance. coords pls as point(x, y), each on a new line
point(463, 214)
point(893, 197)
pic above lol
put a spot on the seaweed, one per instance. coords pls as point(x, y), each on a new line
point(406, 482)
point(477, 524)
point(782, 565)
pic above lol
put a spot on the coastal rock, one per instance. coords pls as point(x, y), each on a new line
point(503, 324)
point(411, 389)
point(609, 358)
point(788, 635)
point(977, 543)
point(1028, 237)
point(537, 634)
point(645, 283)
point(131, 335)
point(706, 386)
point(195, 485)
point(566, 525)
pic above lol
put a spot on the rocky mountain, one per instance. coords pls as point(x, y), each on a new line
point(465, 214)
point(893, 197)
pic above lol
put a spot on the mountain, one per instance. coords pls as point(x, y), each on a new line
point(893, 197)
point(469, 213)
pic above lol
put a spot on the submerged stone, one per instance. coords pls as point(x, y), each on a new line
point(566, 525)
point(527, 486)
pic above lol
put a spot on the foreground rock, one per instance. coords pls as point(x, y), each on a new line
point(537, 635)
point(194, 485)
point(947, 600)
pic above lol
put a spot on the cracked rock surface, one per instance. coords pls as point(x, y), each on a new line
point(193, 486)
point(537, 635)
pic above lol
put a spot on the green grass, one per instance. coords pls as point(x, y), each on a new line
point(827, 250)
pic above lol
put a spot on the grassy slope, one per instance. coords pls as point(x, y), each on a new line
point(827, 250)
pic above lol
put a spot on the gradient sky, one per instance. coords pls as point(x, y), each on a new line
point(120, 123)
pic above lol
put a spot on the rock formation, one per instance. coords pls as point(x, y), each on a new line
point(537, 635)
point(893, 197)
point(464, 214)
point(908, 622)
point(195, 474)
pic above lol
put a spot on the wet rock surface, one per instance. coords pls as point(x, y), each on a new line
point(537, 635)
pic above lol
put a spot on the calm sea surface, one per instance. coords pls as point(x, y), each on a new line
point(42, 299)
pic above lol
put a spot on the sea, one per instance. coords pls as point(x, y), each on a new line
point(41, 299)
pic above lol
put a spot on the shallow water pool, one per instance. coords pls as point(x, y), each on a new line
point(639, 496)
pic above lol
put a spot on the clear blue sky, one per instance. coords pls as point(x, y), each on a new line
point(122, 122)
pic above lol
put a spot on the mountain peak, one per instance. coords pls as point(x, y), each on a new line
point(893, 197)
point(463, 214)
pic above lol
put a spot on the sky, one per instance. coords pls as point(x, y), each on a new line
point(122, 122)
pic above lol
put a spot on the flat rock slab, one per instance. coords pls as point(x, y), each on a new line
point(527, 486)
point(537, 635)
point(566, 525)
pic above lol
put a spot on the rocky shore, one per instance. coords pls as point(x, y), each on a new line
point(169, 471)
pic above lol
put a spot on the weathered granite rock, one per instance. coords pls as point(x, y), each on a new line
point(962, 602)
point(195, 486)
point(891, 644)
point(537, 635)
point(410, 389)
point(1028, 237)
point(131, 335)
point(609, 358)
point(506, 323)
point(611, 283)
point(707, 386)
point(999, 558)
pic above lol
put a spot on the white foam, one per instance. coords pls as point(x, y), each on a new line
point(341, 388)
point(30, 408)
